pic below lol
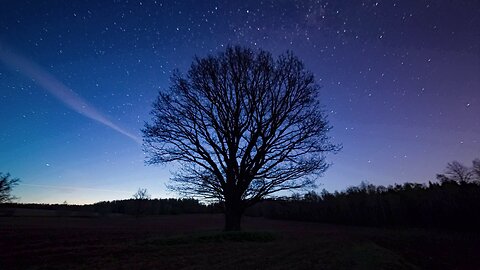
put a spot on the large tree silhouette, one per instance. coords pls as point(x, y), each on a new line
point(242, 126)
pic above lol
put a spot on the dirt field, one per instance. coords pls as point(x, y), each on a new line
point(196, 242)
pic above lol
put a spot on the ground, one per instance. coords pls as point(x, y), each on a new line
point(196, 242)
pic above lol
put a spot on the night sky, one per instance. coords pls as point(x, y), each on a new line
point(400, 82)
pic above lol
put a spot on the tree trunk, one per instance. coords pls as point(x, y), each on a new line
point(233, 216)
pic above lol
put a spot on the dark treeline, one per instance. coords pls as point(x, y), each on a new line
point(447, 204)
point(135, 207)
point(155, 207)
point(453, 202)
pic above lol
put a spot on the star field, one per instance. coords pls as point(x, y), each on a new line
point(400, 82)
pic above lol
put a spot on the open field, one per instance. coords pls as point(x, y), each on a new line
point(195, 242)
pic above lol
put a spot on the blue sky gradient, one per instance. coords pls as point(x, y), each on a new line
point(400, 82)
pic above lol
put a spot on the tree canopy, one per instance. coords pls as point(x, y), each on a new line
point(457, 172)
point(242, 125)
point(6, 185)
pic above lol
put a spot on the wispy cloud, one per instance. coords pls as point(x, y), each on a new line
point(59, 90)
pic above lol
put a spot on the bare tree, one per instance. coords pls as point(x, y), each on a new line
point(457, 172)
point(242, 126)
point(476, 169)
point(140, 198)
point(141, 194)
point(6, 185)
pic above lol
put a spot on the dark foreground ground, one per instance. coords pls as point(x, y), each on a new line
point(195, 242)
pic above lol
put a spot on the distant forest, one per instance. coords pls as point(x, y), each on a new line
point(453, 202)
point(136, 207)
point(450, 204)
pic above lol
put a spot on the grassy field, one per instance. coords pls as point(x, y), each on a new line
point(196, 242)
